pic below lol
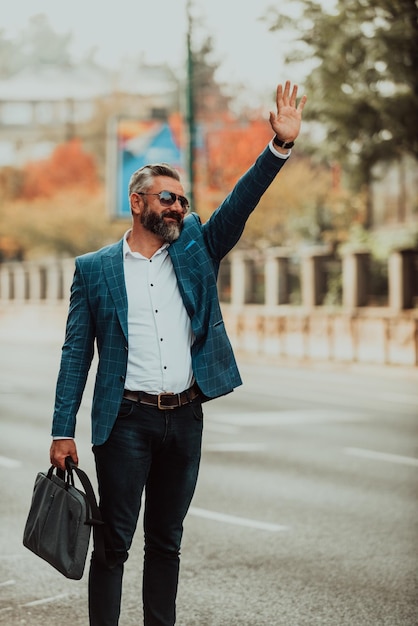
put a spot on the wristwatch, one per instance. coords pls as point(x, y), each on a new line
point(282, 144)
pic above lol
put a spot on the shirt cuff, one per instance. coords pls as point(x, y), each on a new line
point(56, 438)
point(277, 153)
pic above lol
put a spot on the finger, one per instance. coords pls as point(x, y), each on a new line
point(286, 92)
point(279, 96)
point(302, 103)
point(74, 457)
point(294, 95)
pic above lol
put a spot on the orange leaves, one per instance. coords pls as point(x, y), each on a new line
point(67, 167)
point(232, 149)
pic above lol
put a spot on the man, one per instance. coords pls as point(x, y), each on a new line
point(150, 303)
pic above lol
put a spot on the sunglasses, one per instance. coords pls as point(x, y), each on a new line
point(168, 198)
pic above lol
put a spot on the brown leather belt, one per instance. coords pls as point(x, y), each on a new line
point(163, 401)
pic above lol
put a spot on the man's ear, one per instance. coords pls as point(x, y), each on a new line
point(136, 202)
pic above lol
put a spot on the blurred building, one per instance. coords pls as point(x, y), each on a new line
point(42, 107)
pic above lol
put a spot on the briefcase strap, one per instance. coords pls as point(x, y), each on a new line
point(95, 519)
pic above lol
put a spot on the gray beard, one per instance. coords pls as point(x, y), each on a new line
point(155, 223)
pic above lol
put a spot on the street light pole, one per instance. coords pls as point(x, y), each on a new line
point(191, 130)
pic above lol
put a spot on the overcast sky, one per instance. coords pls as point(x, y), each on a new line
point(248, 53)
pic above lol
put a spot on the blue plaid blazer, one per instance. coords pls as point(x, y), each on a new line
point(98, 309)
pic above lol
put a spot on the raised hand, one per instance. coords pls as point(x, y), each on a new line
point(286, 122)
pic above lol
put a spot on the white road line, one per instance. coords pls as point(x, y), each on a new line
point(238, 521)
point(234, 447)
point(382, 456)
point(9, 463)
point(45, 600)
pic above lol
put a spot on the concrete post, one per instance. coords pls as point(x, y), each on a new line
point(241, 278)
point(355, 279)
point(53, 281)
point(6, 292)
point(19, 281)
point(401, 280)
point(312, 276)
point(276, 281)
point(35, 282)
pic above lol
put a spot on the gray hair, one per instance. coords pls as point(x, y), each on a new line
point(143, 179)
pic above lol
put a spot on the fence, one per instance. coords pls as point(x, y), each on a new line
point(276, 306)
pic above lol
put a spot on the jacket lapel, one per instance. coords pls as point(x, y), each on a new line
point(180, 258)
point(115, 278)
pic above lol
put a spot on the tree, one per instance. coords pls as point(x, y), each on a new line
point(67, 167)
point(209, 99)
point(68, 223)
point(37, 44)
point(8, 56)
point(307, 204)
point(364, 87)
point(232, 147)
point(303, 207)
point(40, 44)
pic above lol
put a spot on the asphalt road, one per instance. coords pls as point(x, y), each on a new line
point(306, 511)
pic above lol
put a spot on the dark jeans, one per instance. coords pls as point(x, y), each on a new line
point(158, 450)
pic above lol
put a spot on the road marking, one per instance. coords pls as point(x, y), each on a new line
point(237, 521)
point(9, 463)
point(234, 447)
point(382, 456)
point(45, 600)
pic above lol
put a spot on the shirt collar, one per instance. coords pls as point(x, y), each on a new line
point(128, 252)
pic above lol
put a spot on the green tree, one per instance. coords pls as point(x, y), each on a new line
point(364, 86)
point(209, 101)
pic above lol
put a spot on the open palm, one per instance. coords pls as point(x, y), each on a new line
point(286, 122)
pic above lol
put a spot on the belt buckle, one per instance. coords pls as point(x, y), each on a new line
point(164, 407)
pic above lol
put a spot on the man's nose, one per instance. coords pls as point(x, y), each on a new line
point(178, 207)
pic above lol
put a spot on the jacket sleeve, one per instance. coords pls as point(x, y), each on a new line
point(76, 358)
point(225, 226)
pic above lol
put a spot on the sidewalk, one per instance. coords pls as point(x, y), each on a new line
point(41, 322)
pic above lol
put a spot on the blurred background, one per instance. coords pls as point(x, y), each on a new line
point(89, 93)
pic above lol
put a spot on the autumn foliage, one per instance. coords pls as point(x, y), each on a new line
point(232, 149)
point(67, 167)
point(68, 206)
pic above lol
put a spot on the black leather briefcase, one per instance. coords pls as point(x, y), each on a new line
point(60, 520)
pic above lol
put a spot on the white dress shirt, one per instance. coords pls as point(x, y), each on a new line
point(160, 335)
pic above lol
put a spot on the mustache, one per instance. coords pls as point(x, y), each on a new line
point(175, 215)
